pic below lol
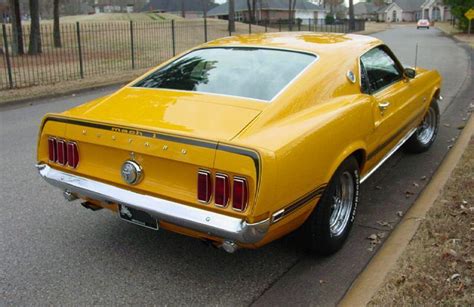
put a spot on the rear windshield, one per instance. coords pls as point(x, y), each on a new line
point(245, 72)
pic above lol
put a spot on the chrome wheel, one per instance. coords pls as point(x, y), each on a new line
point(427, 129)
point(342, 205)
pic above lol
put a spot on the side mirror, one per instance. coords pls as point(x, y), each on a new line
point(409, 73)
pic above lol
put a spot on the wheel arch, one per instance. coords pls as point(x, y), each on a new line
point(356, 150)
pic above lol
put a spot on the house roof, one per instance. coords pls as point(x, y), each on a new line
point(362, 8)
point(409, 5)
point(175, 6)
point(241, 5)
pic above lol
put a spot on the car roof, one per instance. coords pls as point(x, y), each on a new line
point(327, 44)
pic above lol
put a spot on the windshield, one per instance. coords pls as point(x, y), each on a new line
point(245, 72)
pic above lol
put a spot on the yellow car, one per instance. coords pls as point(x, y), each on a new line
point(242, 140)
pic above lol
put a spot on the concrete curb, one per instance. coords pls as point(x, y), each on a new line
point(370, 280)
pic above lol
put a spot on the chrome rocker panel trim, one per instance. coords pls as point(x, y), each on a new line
point(389, 154)
point(219, 225)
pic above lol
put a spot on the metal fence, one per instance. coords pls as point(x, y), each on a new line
point(99, 49)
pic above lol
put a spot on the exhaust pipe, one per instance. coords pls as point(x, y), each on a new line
point(69, 196)
point(229, 246)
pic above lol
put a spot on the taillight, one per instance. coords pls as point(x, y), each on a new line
point(204, 186)
point(222, 194)
point(52, 153)
point(239, 194)
point(72, 154)
point(61, 152)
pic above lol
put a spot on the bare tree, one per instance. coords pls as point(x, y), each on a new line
point(56, 27)
point(231, 16)
point(35, 32)
point(204, 4)
point(183, 10)
point(351, 16)
point(17, 39)
point(291, 12)
point(251, 8)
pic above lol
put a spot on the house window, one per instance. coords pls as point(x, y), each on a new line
point(394, 15)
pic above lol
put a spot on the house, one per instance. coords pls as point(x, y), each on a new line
point(192, 8)
point(270, 10)
point(402, 10)
point(365, 11)
point(435, 10)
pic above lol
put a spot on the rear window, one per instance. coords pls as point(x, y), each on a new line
point(245, 72)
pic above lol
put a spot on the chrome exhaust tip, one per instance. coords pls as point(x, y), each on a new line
point(69, 196)
point(229, 246)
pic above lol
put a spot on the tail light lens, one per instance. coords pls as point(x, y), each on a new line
point(204, 186)
point(52, 153)
point(72, 154)
point(222, 194)
point(240, 194)
point(61, 151)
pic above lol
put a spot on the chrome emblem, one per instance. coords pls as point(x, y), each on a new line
point(131, 172)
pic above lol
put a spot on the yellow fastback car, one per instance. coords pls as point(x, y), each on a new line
point(245, 139)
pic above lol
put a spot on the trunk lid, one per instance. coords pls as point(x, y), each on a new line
point(197, 115)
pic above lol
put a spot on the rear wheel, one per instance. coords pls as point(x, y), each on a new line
point(426, 132)
point(329, 224)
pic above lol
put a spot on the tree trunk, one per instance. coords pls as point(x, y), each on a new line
point(183, 11)
point(351, 16)
point(290, 26)
point(204, 8)
point(17, 32)
point(56, 27)
point(35, 32)
point(231, 16)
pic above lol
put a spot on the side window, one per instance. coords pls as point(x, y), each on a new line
point(380, 68)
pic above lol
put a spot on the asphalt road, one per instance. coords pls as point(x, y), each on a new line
point(54, 252)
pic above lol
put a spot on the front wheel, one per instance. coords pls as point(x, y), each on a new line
point(426, 132)
point(329, 224)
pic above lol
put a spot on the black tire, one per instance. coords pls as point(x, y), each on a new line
point(422, 139)
point(418, 28)
point(318, 235)
point(428, 28)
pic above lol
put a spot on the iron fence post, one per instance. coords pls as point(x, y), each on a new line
point(79, 49)
point(299, 25)
point(250, 27)
point(309, 24)
point(279, 25)
point(172, 37)
point(132, 45)
point(205, 29)
point(7, 55)
point(266, 25)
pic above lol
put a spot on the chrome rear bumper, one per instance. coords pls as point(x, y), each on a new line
point(219, 225)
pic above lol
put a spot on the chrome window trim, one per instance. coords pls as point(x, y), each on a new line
point(201, 220)
point(391, 55)
point(315, 55)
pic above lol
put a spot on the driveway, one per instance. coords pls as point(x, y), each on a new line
point(54, 252)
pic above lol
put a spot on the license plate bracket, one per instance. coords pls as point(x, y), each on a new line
point(138, 217)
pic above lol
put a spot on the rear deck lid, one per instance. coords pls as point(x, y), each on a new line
point(212, 117)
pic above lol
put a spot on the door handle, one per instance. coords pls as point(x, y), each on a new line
point(384, 105)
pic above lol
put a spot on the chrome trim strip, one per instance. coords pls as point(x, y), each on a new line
point(219, 225)
point(389, 154)
point(280, 214)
